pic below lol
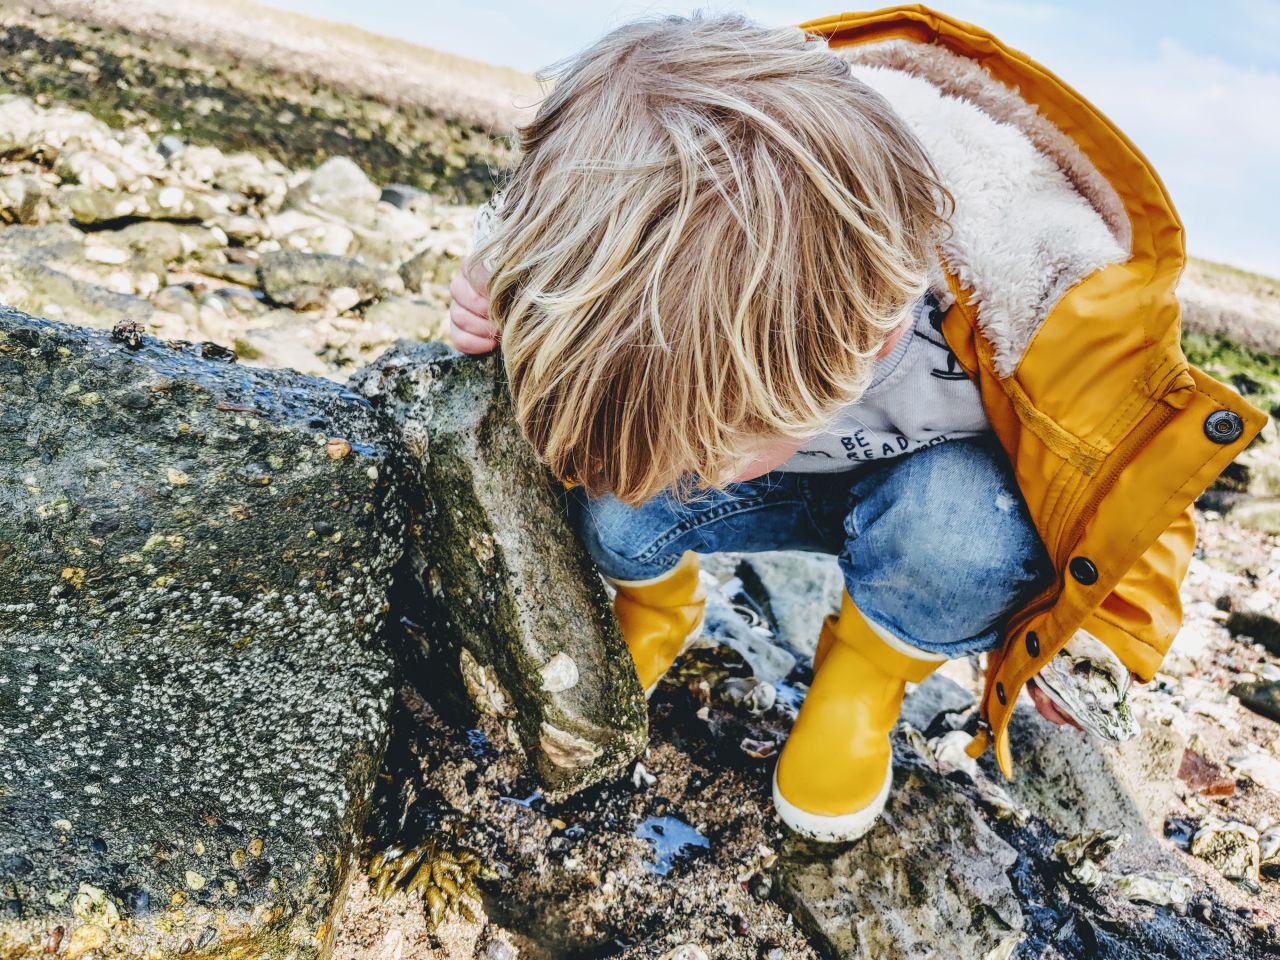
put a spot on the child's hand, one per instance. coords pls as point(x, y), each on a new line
point(1048, 709)
point(470, 328)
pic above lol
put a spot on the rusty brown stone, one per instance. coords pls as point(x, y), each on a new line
point(1204, 776)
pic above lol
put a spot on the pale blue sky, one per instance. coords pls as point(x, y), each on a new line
point(1196, 86)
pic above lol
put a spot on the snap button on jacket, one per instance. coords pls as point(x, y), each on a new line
point(1059, 286)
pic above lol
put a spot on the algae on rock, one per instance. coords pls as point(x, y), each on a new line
point(502, 593)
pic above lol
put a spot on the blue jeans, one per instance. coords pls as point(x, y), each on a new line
point(935, 546)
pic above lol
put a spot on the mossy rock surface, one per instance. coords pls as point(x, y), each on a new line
point(131, 79)
point(498, 591)
point(194, 695)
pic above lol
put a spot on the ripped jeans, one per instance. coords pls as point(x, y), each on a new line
point(935, 546)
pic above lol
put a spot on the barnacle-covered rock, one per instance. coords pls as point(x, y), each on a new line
point(500, 588)
point(193, 693)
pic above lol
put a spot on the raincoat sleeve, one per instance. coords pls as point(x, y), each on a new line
point(1140, 617)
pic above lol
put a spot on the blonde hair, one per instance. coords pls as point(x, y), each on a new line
point(711, 230)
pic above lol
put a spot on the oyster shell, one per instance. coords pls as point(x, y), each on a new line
point(1088, 683)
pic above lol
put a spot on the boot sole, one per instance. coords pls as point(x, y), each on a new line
point(837, 829)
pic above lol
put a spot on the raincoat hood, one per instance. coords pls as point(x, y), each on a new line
point(1035, 214)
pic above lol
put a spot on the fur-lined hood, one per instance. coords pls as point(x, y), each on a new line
point(1033, 215)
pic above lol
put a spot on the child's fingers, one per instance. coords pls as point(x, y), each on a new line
point(1048, 709)
point(464, 292)
point(475, 273)
point(468, 342)
point(471, 322)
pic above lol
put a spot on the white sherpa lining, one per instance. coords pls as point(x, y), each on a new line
point(1033, 216)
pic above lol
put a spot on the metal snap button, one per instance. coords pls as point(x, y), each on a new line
point(1083, 570)
point(1033, 643)
point(1223, 426)
point(1000, 694)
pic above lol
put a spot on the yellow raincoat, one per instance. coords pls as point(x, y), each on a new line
point(1111, 432)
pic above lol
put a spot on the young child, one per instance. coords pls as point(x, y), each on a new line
point(879, 287)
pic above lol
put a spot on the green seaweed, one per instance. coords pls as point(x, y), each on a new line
point(1254, 373)
point(443, 874)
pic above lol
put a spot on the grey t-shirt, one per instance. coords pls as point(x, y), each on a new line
point(919, 395)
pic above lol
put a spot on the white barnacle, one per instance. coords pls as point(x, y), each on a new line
point(565, 749)
point(560, 673)
point(483, 686)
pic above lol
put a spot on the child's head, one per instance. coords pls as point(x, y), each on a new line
point(711, 230)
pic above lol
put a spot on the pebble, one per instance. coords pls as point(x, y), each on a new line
point(111, 255)
point(401, 195)
point(688, 951)
point(1204, 776)
point(86, 938)
point(499, 950)
point(1269, 847)
point(1262, 768)
point(169, 146)
point(1230, 847)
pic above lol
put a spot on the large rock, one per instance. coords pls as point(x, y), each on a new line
point(288, 276)
point(428, 267)
point(505, 595)
point(337, 188)
point(1258, 627)
point(193, 698)
point(1263, 697)
point(1065, 860)
point(157, 203)
point(931, 880)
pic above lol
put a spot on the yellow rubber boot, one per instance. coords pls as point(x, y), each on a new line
point(825, 639)
point(834, 773)
point(660, 617)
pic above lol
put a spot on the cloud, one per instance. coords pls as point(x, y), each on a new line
point(1208, 127)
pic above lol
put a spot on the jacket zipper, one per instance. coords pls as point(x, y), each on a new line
point(1135, 442)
